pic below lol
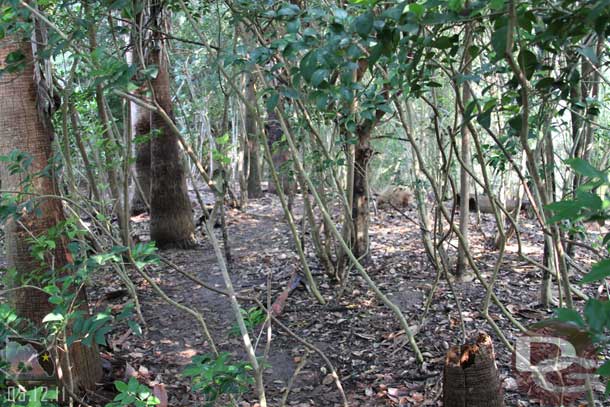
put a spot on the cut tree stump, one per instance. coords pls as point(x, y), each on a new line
point(471, 377)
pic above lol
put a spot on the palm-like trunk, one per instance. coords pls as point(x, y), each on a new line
point(23, 127)
point(251, 161)
point(171, 214)
point(280, 155)
point(141, 193)
point(140, 129)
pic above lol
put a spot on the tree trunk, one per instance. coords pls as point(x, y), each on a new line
point(140, 128)
point(464, 178)
point(471, 377)
point(26, 125)
point(140, 200)
point(110, 143)
point(251, 163)
point(280, 156)
point(171, 214)
point(360, 204)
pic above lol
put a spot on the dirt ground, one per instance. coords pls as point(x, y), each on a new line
point(358, 334)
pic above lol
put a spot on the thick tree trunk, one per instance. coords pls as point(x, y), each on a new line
point(140, 129)
point(360, 204)
point(471, 377)
point(171, 214)
point(280, 156)
point(251, 161)
point(23, 128)
point(140, 200)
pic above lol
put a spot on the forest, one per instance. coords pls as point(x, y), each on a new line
point(277, 203)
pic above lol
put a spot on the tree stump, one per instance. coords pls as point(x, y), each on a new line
point(471, 377)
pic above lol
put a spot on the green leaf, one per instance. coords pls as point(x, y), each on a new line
point(417, 9)
point(120, 386)
point(133, 385)
point(56, 300)
point(272, 101)
point(289, 10)
point(498, 41)
point(340, 14)
point(150, 72)
point(135, 327)
point(606, 239)
point(545, 83)
point(455, 5)
point(484, 119)
point(569, 315)
point(584, 168)
point(15, 61)
point(376, 52)
point(367, 3)
point(599, 271)
point(100, 335)
point(528, 62)
point(604, 370)
point(443, 42)
point(516, 122)
point(308, 65)
point(589, 200)
point(597, 314)
point(319, 76)
point(589, 53)
point(152, 401)
point(290, 93)
point(363, 24)
point(393, 13)
point(496, 4)
point(564, 210)
point(293, 26)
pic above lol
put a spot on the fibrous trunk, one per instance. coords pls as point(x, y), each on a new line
point(471, 377)
point(26, 125)
point(251, 161)
point(280, 156)
point(141, 193)
point(171, 215)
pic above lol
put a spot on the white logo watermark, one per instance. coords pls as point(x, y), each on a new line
point(555, 364)
point(552, 369)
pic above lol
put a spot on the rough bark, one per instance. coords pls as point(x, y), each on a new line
point(360, 206)
point(280, 154)
point(362, 156)
point(171, 215)
point(24, 126)
point(471, 378)
point(140, 200)
point(251, 161)
point(140, 127)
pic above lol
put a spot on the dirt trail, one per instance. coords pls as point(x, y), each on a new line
point(359, 335)
point(257, 240)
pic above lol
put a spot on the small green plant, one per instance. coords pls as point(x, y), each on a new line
point(253, 317)
point(62, 281)
point(215, 376)
point(133, 393)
